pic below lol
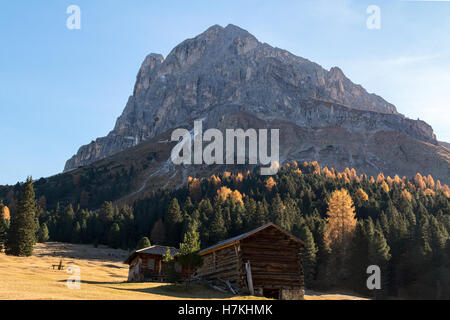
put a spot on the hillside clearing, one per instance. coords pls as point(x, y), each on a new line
point(103, 277)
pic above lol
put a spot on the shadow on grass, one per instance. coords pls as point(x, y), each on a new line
point(195, 291)
point(67, 251)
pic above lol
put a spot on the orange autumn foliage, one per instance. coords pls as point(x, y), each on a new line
point(5, 213)
point(419, 182)
point(195, 191)
point(407, 195)
point(341, 217)
point(385, 186)
point(270, 183)
point(380, 178)
point(361, 195)
point(224, 193)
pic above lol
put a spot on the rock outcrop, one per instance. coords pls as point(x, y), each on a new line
point(226, 71)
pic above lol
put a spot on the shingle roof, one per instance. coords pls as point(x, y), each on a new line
point(156, 250)
point(235, 239)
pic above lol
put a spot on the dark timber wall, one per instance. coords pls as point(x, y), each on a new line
point(274, 258)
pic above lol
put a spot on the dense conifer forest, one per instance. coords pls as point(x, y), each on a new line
point(347, 222)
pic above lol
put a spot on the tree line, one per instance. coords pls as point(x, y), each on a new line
point(347, 221)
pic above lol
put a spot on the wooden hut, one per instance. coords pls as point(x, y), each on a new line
point(265, 261)
point(146, 264)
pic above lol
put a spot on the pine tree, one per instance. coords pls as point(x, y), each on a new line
point(168, 268)
point(3, 232)
point(217, 229)
point(21, 235)
point(262, 213)
point(114, 239)
point(174, 221)
point(308, 256)
point(188, 255)
point(324, 268)
point(358, 258)
point(143, 243)
point(279, 214)
point(379, 255)
point(158, 233)
point(43, 235)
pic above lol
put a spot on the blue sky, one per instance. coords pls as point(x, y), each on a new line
point(60, 88)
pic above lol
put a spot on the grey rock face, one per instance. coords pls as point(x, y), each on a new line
point(225, 70)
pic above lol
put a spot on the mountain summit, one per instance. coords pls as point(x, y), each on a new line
point(225, 72)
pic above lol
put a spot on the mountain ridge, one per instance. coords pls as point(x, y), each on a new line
point(224, 71)
point(216, 46)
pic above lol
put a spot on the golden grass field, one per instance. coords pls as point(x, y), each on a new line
point(103, 277)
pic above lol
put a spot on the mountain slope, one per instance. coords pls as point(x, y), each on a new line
point(220, 68)
point(229, 79)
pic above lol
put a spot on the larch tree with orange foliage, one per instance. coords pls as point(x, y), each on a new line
point(407, 195)
point(270, 183)
point(4, 222)
point(380, 178)
point(385, 186)
point(341, 226)
point(4, 212)
point(419, 181)
point(224, 193)
point(195, 190)
point(341, 218)
point(361, 195)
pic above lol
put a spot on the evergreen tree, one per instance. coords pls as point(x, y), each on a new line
point(188, 255)
point(114, 236)
point(359, 257)
point(217, 230)
point(143, 243)
point(3, 232)
point(174, 221)
point(323, 275)
point(21, 235)
point(168, 268)
point(308, 256)
point(379, 255)
point(158, 233)
point(43, 235)
point(279, 213)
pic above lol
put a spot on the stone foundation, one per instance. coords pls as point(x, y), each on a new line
point(292, 294)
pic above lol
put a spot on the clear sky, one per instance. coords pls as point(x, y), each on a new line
point(61, 88)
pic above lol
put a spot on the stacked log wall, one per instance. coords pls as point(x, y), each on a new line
point(221, 264)
point(275, 260)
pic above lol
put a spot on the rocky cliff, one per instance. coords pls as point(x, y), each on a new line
point(226, 71)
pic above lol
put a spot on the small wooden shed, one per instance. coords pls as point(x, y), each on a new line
point(265, 261)
point(146, 264)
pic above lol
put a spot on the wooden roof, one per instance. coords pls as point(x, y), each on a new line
point(155, 250)
point(234, 240)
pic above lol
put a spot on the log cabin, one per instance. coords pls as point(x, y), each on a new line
point(146, 264)
point(265, 261)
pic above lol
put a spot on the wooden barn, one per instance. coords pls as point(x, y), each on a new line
point(146, 264)
point(265, 261)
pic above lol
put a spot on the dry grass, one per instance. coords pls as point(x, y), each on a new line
point(313, 295)
point(103, 277)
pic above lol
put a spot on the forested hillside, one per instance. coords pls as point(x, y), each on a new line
point(348, 222)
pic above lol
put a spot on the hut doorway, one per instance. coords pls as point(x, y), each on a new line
point(271, 293)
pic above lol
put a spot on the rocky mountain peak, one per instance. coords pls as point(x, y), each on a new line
point(336, 74)
point(226, 70)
